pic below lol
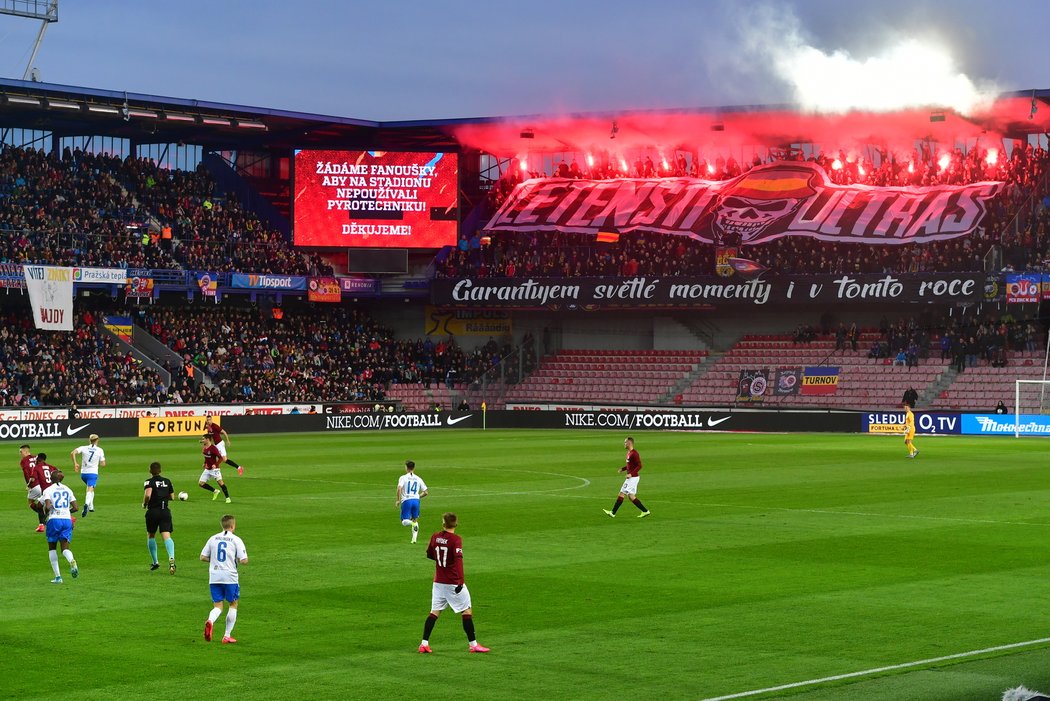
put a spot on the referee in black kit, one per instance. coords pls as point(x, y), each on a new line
point(158, 515)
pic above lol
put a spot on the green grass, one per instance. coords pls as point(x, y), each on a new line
point(768, 560)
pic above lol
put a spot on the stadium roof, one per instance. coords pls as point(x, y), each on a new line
point(67, 110)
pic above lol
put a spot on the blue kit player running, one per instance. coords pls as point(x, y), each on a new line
point(59, 503)
point(93, 458)
point(410, 489)
point(225, 553)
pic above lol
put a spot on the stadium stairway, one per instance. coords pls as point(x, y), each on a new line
point(138, 353)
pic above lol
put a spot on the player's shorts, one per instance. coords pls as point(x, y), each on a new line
point(90, 478)
point(34, 494)
point(221, 445)
point(158, 520)
point(225, 592)
point(59, 529)
point(444, 596)
point(908, 435)
point(409, 509)
point(630, 485)
point(211, 475)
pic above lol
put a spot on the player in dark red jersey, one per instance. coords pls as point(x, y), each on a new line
point(449, 590)
point(212, 459)
point(221, 440)
point(27, 463)
point(630, 485)
point(41, 480)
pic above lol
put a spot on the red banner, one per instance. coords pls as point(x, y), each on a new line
point(782, 199)
point(324, 289)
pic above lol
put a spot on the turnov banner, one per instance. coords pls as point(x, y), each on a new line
point(51, 295)
point(465, 322)
point(253, 281)
point(786, 198)
point(704, 291)
point(819, 380)
point(120, 326)
point(324, 289)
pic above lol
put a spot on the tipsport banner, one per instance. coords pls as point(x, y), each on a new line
point(590, 294)
point(781, 199)
point(267, 282)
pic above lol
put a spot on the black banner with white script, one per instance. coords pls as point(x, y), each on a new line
point(663, 292)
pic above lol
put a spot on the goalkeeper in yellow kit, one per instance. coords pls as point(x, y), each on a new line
point(909, 431)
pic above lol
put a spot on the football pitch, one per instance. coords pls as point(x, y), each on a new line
point(828, 565)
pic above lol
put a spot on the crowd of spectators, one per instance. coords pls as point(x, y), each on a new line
point(88, 209)
point(1021, 242)
point(46, 368)
point(329, 354)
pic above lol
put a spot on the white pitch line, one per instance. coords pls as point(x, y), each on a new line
point(878, 515)
point(878, 670)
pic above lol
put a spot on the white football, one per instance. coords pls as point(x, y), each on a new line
point(183, 496)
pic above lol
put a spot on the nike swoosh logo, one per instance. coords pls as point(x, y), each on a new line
point(70, 431)
point(714, 422)
point(452, 422)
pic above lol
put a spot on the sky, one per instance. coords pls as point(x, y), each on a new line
point(421, 59)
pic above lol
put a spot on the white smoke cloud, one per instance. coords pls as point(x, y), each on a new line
point(906, 71)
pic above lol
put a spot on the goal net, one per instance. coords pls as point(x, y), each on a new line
point(1031, 397)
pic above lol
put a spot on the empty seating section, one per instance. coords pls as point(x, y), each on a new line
point(864, 383)
point(607, 377)
point(981, 387)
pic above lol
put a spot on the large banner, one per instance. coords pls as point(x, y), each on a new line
point(782, 199)
point(11, 276)
point(139, 287)
point(253, 281)
point(207, 283)
point(464, 322)
point(376, 199)
point(820, 380)
point(643, 291)
point(51, 295)
point(751, 387)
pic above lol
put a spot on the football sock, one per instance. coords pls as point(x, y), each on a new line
point(231, 619)
point(231, 463)
point(68, 554)
point(638, 503)
point(40, 517)
point(415, 532)
point(214, 615)
point(151, 543)
point(619, 500)
point(169, 545)
point(89, 500)
point(468, 628)
point(428, 627)
point(226, 492)
point(207, 487)
point(53, 554)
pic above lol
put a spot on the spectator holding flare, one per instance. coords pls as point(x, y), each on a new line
point(221, 440)
point(94, 457)
point(630, 485)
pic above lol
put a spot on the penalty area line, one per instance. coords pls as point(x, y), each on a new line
point(878, 670)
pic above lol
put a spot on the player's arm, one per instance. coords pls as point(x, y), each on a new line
point(76, 465)
point(73, 506)
point(397, 496)
point(225, 437)
point(146, 496)
point(206, 553)
point(423, 493)
point(48, 506)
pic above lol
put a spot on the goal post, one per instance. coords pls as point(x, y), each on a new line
point(1030, 397)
